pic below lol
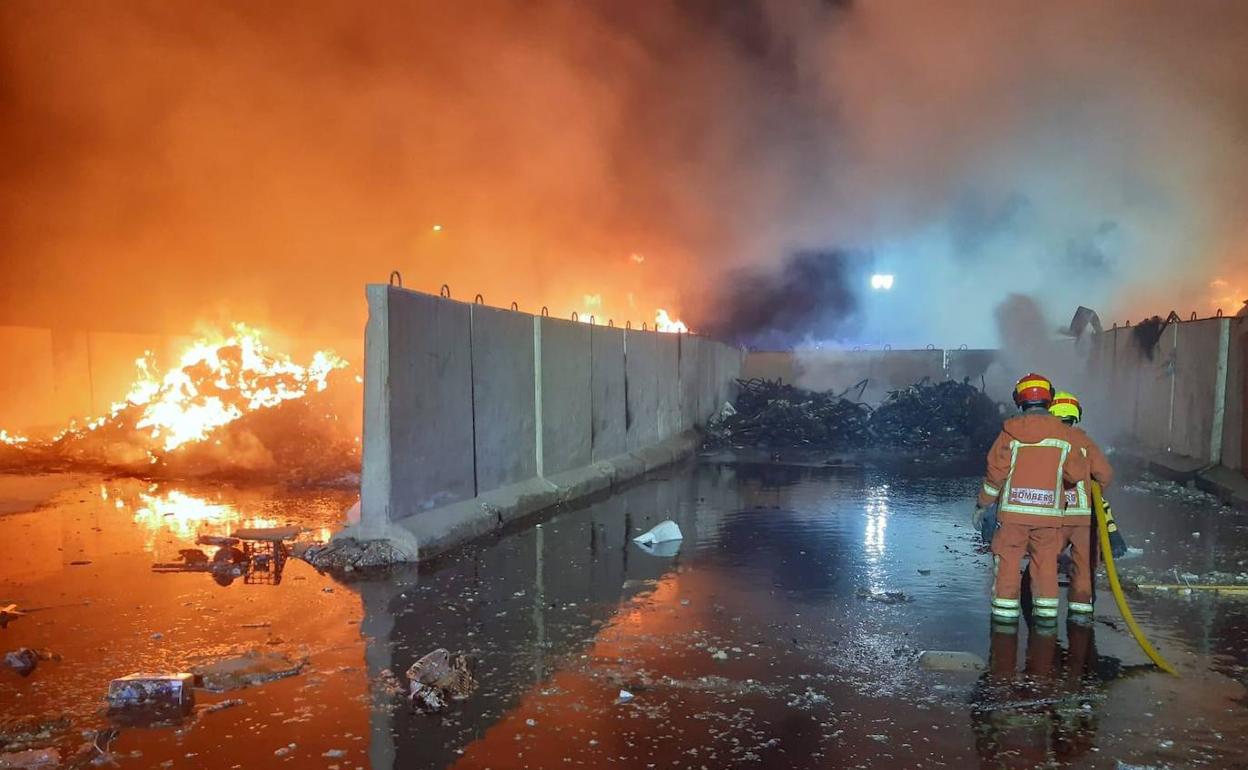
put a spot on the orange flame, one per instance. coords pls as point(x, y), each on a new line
point(665, 323)
point(11, 439)
point(214, 384)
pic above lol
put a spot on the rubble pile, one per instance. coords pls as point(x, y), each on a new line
point(946, 417)
point(772, 414)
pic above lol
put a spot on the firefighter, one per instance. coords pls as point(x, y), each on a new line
point(1029, 464)
point(1078, 529)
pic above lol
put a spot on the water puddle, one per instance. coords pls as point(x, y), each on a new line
point(784, 630)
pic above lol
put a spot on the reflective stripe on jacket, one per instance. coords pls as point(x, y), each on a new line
point(1078, 501)
point(1029, 465)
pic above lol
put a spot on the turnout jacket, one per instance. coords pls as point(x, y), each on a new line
point(1079, 495)
point(1034, 458)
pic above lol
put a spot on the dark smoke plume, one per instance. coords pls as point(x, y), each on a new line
point(811, 295)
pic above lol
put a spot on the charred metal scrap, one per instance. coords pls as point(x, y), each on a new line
point(946, 417)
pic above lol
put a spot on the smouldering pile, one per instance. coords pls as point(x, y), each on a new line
point(946, 417)
point(772, 414)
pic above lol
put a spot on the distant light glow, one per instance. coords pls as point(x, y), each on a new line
point(882, 281)
point(437, 228)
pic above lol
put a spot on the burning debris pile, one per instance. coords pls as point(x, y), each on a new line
point(230, 407)
point(947, 417)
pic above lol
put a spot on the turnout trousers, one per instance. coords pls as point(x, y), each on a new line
point(1083, 563)
point(1011, 542)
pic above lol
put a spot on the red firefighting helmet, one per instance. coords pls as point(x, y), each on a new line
point(1033, 390)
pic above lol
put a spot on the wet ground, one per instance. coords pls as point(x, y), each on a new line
point(785, 632)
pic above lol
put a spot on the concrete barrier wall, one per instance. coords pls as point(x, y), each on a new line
point(641, 377)
point(475, 416)
point(504, 412)
point(418, 404)
point(607, 407)
point(565, 395)
point(1234, 417)
point(1185, 400)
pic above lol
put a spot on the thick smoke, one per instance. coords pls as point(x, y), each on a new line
point(772, 309)
point(173, 163)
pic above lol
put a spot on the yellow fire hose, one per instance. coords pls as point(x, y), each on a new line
point(1102, 526)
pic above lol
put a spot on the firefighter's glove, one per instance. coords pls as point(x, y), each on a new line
point(1117, 546)
point(977, 518)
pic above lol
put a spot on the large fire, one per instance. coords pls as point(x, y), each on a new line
point(217, 383)
point(220, 407)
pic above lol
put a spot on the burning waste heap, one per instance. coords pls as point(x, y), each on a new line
point(231, 407)
point(947, 418)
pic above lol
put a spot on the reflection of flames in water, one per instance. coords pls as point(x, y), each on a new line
point(185, 516)
point(166, 514)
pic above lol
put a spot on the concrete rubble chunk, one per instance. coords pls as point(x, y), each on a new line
point(348, 554)
point(946, 660)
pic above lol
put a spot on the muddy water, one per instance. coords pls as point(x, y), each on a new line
point(784, 632)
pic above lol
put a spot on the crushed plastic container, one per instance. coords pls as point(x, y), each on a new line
point(663, 532)
point(662, 540)
point(165, 691)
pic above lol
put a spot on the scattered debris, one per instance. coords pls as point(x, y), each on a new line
point(663, 532)
point(334, 754)
point(438, 678)
point(883, 597)
point(624, 697)
point(251, 668)
point(151, 698)
point(939, 660)
point(30, 758)
point(347, 554)
point(663, 539)
point(26, 732)
point(228, 703)
point(9, 612)
point(945, 417)
point(22, 660)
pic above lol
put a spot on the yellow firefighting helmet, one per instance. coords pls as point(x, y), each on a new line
point(1065, 406)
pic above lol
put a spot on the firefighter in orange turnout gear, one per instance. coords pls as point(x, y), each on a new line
point(1029, 465)
point(1077, 525)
